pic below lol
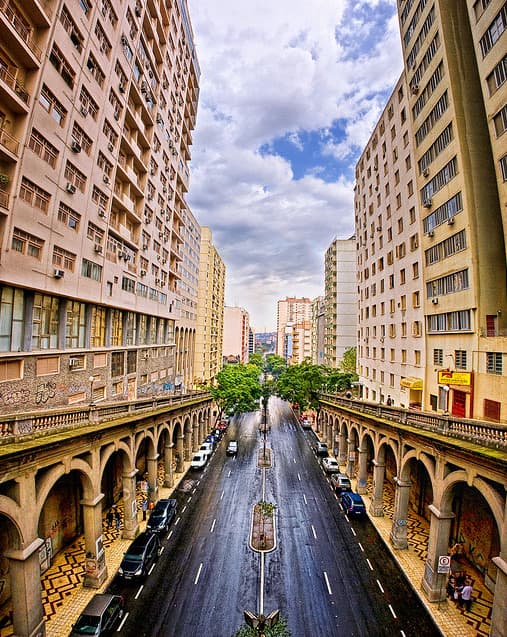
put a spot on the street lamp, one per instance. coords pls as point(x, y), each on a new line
point(92, 380)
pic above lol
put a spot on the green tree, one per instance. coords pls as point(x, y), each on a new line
point(257, 359)
point(348, 362)
point(275, 364)
point(237, 389)
point(302, 384)
point(280, 629)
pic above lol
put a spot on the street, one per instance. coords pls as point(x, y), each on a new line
point(327, 575)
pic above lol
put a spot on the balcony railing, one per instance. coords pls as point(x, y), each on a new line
point(480, 432)
point(9, 141)
point(4, 199)
point(12, 82)
point(24, 32)
point(21, 426)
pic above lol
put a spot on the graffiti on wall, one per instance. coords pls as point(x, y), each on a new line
point(45, 391)
point(14, 396)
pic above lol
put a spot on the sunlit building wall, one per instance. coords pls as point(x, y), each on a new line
point(236, 333)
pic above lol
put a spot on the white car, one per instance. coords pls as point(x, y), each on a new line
point(206, 448)
point(330, 465)
point(199, 461)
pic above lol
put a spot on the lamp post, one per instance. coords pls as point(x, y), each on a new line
point(92, 380)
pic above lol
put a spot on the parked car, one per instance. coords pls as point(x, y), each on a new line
point(330, 465)
point(212, 439)
point(206, 448)
point(321, 449)
point(341, 482)
point(306, 424)
point(198, 461)
point(353, 503)
point(232, 448)
point(100, 617)
point(161, 516)
point(140, 556)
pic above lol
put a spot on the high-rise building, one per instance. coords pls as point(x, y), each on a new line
point(391, 349)
point(98, 248)
point(210, 312)
point(318, 330)
point(340, 300)
point(236, 334)
point(454, 55)
point(293, 329)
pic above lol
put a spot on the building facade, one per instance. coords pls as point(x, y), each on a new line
point(98, 248)
point(293, 329)
point(340, 300)
point(318, 330)
point(210, 312)
point(236, 334)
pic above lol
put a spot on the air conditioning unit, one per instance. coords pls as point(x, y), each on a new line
point(381, 339)
point(121, 87)
point(110, 147)
point(84, 111)
point(137, 11)
point(143, 273)
point(75, 362)
point(159, 119)
point(144, 87)
point(58, 274)
point(124, 40)
point(431, 233)
point(450, 221)
point(105, 179)
point(102, 213)
point(98, 248)
point(116, 115)
point(426, 172)
point(76, 146)
point(427, 202)
point(70, 188)
point(434, 301)
point(145, 246)
point(121, 254)
point(164, 190)
point(152, 171)
point(157, 281)
point(164, 85)
point(415, 89)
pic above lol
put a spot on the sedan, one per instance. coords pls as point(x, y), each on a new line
point(353, 503)
point(330, 465)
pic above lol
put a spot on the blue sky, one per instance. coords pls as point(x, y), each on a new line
point(289, 94)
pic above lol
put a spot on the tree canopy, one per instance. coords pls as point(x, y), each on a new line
point(237, 388)
point(256, 359)
point(275, 364)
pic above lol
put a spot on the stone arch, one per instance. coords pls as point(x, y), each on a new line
point(57, 471)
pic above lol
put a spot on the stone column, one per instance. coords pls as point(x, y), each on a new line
point(342, 449)
point(362, 470)
point(398, 535)
point(24, 570)
point(95, 558)
point(351, 456)
point(433, 583)
point(168, 465)
point(130, 523)
point(152, 465)
point(377, 500)
point(499, 613)
point(179, 454)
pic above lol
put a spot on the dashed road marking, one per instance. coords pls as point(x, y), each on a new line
point(183, 509)
point(380, 586)
point(353, 532)
point(198, 574)
point(313, 531)
point(169, 535)
point(360, 546)
point(304, 498)
point(177, 520)
point(222, 495)
point(327, 583)
point(213, 526)
point(299, 477)
point(189, 499)
point(122, 622)
point(369, 564)
point(229, 474)
point(139, 591)
point(392, 612)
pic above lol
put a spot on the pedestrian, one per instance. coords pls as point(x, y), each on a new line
point(109, 518)
point(466, 595)
point(144, 506)
point(450, 587)
point(117, 519)
point(389, 400)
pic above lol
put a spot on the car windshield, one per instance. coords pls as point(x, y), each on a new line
point(87, 625)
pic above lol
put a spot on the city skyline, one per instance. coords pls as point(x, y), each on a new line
point(288, 98)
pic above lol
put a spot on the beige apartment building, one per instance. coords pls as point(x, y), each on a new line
point(294, 329)
point(318, 330)
point(340, 300)
point(99, 251)
point(390, 334)
point(210, 312)
point(454, 58)
point(236, 334)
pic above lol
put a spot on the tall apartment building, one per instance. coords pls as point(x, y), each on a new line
point(318, 330)
point(236, 334)
point(99, 251)
point(293, 329)
point(210, 311)
point(390, 334)
point(340, 300)
point(454, 55)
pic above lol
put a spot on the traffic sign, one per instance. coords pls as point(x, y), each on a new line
point(444, 564)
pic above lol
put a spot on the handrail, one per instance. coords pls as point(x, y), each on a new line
point(484, 433)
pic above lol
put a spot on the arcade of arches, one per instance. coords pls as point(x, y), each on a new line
point(58, 487)
point(459, 488)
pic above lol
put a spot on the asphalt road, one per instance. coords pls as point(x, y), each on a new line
point(328, 575)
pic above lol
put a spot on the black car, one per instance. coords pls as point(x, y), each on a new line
point(161, 516)
point(140, 556)
point(100, 617)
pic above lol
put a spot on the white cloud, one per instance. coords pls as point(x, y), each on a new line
point(274, 70)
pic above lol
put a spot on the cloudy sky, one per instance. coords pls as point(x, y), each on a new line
point(289, 93)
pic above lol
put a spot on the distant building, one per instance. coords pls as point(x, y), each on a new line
point(318, 330)
point(340, 300)
point(265, 342)
point(236, 333)
point(293, 329)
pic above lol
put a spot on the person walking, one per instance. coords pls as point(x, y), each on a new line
point(144, 506)
point(117, 519)
point(466, 595)
point(109, 518)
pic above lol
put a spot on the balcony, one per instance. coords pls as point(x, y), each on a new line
point(4, 200)
point(8, 142)
point(19, 36)
point(18, 97)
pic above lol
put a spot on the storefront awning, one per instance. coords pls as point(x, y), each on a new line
point(412, 383)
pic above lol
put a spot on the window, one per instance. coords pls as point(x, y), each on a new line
point(74, 176)
point(117, 364)
point(41, 147)
point(48, 365)
point(26, 243)
point(415, 270)
point(100, 198)
point(63, 259)
point(45, 320)
point(492, 409)
point(494, 31)
point(70, 26)
point(442, 178)
point(104, 44)
point(61, 64)
point(34, 195)
point(116, 327)
point(91, 270)
point(98, 328)
point(455, 282)
point(416, 299)
point(69, 217)
point(494, 363)
point(88, 104)
point(503, 167)
point(12, 312)
point(500, 121)
point(458, 321)
point(498, 76)
point(128, 284)
point(438, 357)
point(460, 358)
point(435, 114)
point(52, 105)
point(81, 138)
point(11, 370)
point(75, 329)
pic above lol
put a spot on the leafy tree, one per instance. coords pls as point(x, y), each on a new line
point(302, 384)
point(275, 364)
point(237, 389)
point(348, 362)
point(280, 629)
point(257, 359)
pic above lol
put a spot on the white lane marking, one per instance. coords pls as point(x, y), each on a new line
point(222, 495)
point(177, 520)
point(139, 591)
point(294, 460)
point(403, 634)
point(198, 574)
point(188, 499)
point(184, 508)
point(194, 490)
point(161, 551)
point(304, 498)
point(380, 586)
point(213, 526)
point(369, 564)
point(299, 477)
point(123, 621)
point(392, 611)
point(352, 529)
point(327, 583)
point(229, 474)
point(313, 531)
point(151, 569)
point(197, 483)
point(360, 546)
point(169, 535)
